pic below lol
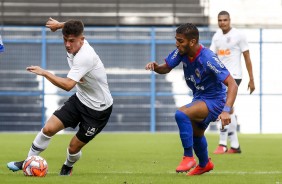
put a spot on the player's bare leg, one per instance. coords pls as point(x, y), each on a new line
point(73, 155)
point(41, 141)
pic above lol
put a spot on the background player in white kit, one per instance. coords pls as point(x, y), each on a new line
point(89, 108)
point(229, 43)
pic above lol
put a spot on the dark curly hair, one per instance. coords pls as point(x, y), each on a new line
point(189, 30)
point(73, 27)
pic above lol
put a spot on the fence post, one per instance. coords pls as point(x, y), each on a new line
point(260, 80)
point(153, 83)
point(43, 65)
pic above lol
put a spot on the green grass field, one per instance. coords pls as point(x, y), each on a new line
point(144, 158)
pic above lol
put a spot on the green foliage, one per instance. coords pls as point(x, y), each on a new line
point(144, 158)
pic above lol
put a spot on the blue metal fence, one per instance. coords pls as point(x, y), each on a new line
point(121, 47)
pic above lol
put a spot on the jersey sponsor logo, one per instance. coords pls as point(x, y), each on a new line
point(218, 62)
point(175, 54)
point(90, 131)
point(192, 79)
point(223, 52)
point(212, 67)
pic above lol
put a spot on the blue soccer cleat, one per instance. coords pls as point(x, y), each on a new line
point(15, 166)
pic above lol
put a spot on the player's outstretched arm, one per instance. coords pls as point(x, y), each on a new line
point(63, 83)
point(54, 25)
point(160, 69)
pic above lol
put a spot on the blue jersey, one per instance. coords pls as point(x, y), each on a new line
point(1, 45)
point(204, 74)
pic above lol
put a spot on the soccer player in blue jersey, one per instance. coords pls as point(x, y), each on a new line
point(207, 77)
point(1, 45)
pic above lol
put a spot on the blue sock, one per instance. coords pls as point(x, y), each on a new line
point(186, 132)
point(201, 150)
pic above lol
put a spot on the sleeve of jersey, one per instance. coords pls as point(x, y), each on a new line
point(173, 59)
point(218, 68)
point(81, 65)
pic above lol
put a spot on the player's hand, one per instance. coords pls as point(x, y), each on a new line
point(35, 69)
point(251, 86)
point(151, 66)
point(225, 119)
point(52, 24)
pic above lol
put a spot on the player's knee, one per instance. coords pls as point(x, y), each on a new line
point(48, 131)
point(180, 116)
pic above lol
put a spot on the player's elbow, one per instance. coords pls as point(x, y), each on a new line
point(233, 86)
point(69, 84)
point(68, 88)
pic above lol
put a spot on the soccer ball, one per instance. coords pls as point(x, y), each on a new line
point(35, 166)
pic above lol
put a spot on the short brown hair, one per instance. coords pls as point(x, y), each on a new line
point(224, 13)
point(189, 30)
point(73, 27)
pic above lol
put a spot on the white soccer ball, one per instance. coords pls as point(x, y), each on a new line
point(35, 166)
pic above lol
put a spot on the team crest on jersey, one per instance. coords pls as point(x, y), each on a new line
point(184, 64)
point(198, 74)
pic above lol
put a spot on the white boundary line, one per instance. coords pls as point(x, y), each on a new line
point(212, 172)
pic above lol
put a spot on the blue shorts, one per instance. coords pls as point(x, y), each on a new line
point(215, 108)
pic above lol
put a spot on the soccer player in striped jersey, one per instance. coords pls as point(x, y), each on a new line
point(229, 44)
point(207, 77)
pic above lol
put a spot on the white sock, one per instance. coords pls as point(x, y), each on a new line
point(232, 133)
point(223, 135)
point(39, 144)
point(72, 158)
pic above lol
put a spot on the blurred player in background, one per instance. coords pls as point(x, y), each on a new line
point(1, 45)
point(229, 43)
point(207, 77)
point(89, 108)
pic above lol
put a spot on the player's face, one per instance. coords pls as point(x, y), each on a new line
point(224, 23)
point(73, 43)
point(182, 43)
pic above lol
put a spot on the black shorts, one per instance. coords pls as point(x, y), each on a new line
point(238, 81)
point(91, 122)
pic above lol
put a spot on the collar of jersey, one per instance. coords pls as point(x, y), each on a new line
point(196, 55)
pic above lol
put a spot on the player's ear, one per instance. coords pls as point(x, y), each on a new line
point(192, 42)
point(82, 38)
